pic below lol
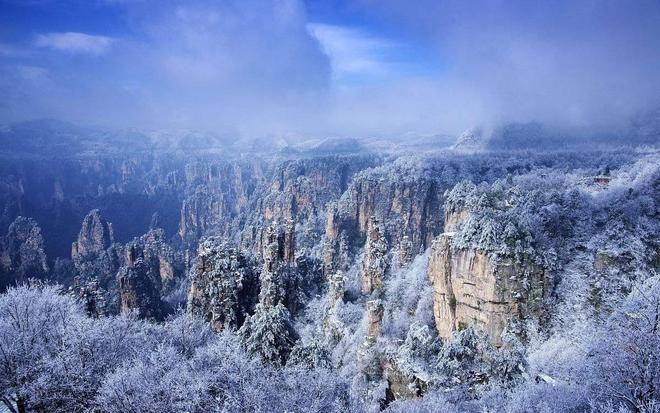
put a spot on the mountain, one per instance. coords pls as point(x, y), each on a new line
point(327, 272)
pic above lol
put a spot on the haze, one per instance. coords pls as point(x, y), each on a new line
point(329, 68)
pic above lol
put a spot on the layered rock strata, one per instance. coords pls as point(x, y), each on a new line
point(406, 199)
point(473, 287)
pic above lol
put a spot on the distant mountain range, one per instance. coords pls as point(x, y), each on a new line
point(55, 138)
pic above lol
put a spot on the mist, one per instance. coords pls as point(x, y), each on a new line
point(315, 69)
point(329, 205)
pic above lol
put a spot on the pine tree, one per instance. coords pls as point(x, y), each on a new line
point(269, 333)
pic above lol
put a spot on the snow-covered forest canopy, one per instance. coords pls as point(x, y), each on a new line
point(297, 206)
point(493, 281)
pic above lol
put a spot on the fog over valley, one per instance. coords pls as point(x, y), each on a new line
point(329, 206)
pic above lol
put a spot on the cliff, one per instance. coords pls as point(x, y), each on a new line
point(298, 193)
point(139, 291)
point(406, 199)
point(131, 276)
point(154, 249)
point(96, 257)
point(95, 236)
point(375, 263)
point(474, 287)
point(22, 254)
point(216, 194)
point(223, 285)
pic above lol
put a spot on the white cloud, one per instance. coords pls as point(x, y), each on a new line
point(73, 42)
point(353, 53)
point(260, 66)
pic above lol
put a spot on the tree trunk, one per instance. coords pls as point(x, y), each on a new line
point(20, 406)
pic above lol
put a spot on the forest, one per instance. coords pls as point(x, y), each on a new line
point(329, 206)
point(495, 281)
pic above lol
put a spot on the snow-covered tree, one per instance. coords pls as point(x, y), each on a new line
point(623, 364)
point(269, 333)
point(33, 324)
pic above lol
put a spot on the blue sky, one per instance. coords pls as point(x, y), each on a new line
point(328, 67)
point(362, 48)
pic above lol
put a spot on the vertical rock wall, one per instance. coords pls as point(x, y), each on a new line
point(222, 285)
point(375, 262)
point(472, 287)
point(22, 253)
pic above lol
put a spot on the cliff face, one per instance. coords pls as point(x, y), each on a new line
point(223, 285)
point(95, 236)
point(298, 194)
point(154, 249)
point(22, 253)
point(96, 256)
point(375, 313)
point(369, 356)
point(471, 287)
point(130, 277)
point(139, 290)
point(217, 193)
point(408, 203)
point(454, 218)
point(375, 262)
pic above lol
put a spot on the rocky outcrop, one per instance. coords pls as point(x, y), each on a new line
point(289, 241)
point(369, 357)
point(219, 192)
point(275, 272)
point(96, 257)
point(22, 254)
point(375, 313)
point(471, 287)
point(298, 194)
point(95, 236)
point(139, 290)
point(406, 198)
point(223, 285)
point(269, 331)
point(150, 270)
point(453, 218)
point(131, 277)
point(375, 263)
point(337, 246)
point(154, 249)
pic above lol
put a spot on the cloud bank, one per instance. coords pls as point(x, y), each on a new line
point(273, 67)
point(73, 42)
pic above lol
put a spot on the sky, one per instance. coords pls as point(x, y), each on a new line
point(320, 68)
